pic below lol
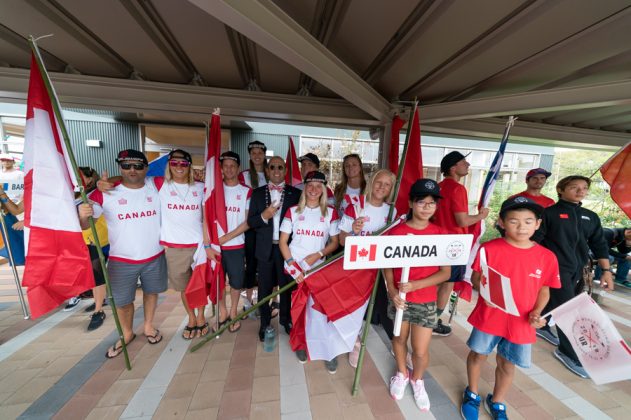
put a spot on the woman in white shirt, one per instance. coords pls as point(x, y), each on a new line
point(353, 183)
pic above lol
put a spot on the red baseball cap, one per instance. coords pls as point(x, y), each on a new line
point(537, 171)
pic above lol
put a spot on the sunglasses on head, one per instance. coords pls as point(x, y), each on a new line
point(136, 166)
point(279, 167)
point(180, 163)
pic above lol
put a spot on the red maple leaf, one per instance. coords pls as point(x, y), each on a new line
point(363, 253)
point(483, 281)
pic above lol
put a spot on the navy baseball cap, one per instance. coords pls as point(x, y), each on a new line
point(131, 155)
point(423, 187)
point(231, 156)
point(450, 159)
point(315, 176)
point(310, 157)
point(520, 202)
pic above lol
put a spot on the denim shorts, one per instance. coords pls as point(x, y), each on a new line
point(483, 343)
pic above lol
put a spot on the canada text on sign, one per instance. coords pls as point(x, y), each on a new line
point(406, 251)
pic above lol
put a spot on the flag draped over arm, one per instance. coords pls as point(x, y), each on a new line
point(208, 276)
point(58, 264)
point(617, 172)
point(292, 176)
point(411, 164)
point(464, 288)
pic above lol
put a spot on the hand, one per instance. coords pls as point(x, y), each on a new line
point(535, 320)
point(398, 302)
point(312, 258)
point(199, 175)
point(358, 225)
point(269, 212)
point(212, 254)
point(85, 211)
point(484, 212)
point(300, 278)
point(19, 225)
point(407, 287)
point(103, 183)
point(606, 281)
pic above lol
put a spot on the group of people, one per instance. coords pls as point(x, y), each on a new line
point(154, 227)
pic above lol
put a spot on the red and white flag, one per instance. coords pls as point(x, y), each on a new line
point(599, 346)
point(58, 263)
point(292, 176)
point(495, 288)
point(411, 165)
point(362, 253)
point(208, 276)
point(617, 172)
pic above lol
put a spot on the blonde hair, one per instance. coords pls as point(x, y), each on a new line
point(340, 189)
point(302, 202)
point(372, 179)
point(169, 178)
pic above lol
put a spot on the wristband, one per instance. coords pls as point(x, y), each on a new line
point(207, 246)
point(289, 260)
point(321, 254)
point(604, 269)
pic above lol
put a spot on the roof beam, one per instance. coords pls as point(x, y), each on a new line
point(561, 99)
point(244, 52)
point(185, 101)
point(271, 28)
point(20, 42)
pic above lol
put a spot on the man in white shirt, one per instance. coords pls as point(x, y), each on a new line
point(132, 214)
point(11, 178)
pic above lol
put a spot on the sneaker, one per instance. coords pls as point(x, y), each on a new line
point(92, 306)
point(408, 359)
point(470, 405)
point(397, 385)
point(353, 356)
point(442, 329)
point(96, 320)
point(496, 410)
point(548, 335)
point(74, 301)
point(331, 365)
point(571, 364)
point(420, 395)
point(302, 356)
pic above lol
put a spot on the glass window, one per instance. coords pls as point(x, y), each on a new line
point(432, 155)
point(526, 161)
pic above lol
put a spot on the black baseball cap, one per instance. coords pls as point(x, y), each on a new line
point(256, 145)
point(519, 202)
point(230, 155)
point(183, 154)
point(450, 159)
point(315, 176)
point(131, 155)
point(423, 187)
point(311, 157)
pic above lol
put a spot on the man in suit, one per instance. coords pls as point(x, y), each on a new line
point(268, 205)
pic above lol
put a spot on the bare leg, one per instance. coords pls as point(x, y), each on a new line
point(150, 302)
point(421, 337)
point(126, 318)
point(444, 291)
point(201, 321)
point(400, 347)
point(99, 295)
point(234, 302)
point(504, 374)
point(474, 366)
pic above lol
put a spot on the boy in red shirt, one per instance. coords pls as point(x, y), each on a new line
point(531, 270)
point(419, 306)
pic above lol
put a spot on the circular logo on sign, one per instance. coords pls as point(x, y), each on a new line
point(590, 338)
point(454, 250)
point(521, 199)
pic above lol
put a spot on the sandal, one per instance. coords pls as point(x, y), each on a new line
point(192, 332)
point(233, 328)
point(155, 338)
point(275, 309)
point(221, 324)
point(203, 329)
point(114, 351)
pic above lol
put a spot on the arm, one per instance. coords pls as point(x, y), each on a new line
point(211, 254)
point(438, 277)
point(105, 184)
point(393, 292)
point(85, 212)
point(328, 249)
point(600, 248)
point(465, 219)
point(534, 317)
point(356, 228)
point(475, 280)
point(234, 233)
point(9, 205)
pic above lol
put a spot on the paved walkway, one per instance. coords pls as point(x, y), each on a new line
point(54, 368)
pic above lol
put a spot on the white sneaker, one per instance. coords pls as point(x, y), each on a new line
point(397, 385)
point(420, 395)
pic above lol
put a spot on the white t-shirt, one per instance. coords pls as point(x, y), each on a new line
point(13, 184)
point(245, 179)
point(351, 197)
point(310, 230)
point(374, 217)
point(133, 221)
point(237, 204)
point(181, 211)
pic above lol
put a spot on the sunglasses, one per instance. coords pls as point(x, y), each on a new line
point(136, 166)
point(180, 163)
point(279, 167)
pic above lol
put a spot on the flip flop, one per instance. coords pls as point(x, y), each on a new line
point(201, 329)
point(192, 332)
point(155, 338)
point(275, 309)
point(117, 350)
point(221, 324)
point(235, 327)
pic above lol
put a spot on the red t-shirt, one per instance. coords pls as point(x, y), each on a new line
point(542, 200)
point(529, 270)
point(426, 294)
point(454, 201)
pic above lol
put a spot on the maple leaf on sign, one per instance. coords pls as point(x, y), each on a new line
point(363, 252)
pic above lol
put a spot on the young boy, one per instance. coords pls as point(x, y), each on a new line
point(532, 270)
point(419, 306)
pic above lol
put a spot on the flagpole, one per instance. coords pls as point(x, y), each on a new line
point(84, 197)
point(16, 276)
point(373, 295)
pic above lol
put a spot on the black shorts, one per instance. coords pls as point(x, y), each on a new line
point(99, 278)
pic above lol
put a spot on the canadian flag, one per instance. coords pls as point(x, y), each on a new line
point(292, 175)
point(596, 341)
point(495, 288)
point(58, 264)
point(363, 254)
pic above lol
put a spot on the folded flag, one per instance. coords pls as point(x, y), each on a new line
point(495, 288)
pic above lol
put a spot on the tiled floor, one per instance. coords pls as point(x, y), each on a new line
point(54, 368)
